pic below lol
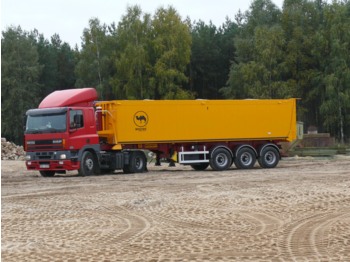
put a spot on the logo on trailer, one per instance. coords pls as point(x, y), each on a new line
point(140, 119)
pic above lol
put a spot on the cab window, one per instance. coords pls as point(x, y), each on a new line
point(76, 119)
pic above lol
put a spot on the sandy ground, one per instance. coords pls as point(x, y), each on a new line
point(299, 211)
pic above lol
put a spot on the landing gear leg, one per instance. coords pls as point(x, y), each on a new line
point(172, 163)
point(157, 160)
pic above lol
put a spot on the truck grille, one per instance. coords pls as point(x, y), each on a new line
point(44, 155)
point(43, 145)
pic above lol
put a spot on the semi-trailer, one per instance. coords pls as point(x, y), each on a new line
point(71, 131)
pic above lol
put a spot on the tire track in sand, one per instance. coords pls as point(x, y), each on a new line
point(136, 225)
point(309, 237)
point(125, 224)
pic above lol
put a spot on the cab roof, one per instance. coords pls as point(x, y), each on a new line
point(70, 97)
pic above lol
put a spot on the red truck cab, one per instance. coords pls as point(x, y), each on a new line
point(62, 133)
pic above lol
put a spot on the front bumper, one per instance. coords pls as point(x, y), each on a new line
point(51, 161)
point(52, 165)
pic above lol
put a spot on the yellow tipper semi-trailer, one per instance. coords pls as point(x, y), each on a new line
point(110, 135)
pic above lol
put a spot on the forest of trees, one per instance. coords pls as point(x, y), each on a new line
point(301, 50)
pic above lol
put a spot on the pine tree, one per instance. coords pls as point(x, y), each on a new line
point(20, 72)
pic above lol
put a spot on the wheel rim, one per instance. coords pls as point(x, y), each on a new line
point(270, 158)
point(138, 163)
point(221, 159)
point(246, 159)
point(89, 163)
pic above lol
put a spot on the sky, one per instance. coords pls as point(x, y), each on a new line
point(68, 18)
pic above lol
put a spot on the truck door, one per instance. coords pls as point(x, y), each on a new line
point(82, 129)
point(77, 129)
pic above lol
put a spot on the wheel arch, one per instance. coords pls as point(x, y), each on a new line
point(94, 149)
point(236, 150)
point(267, 145)
point(213, 149)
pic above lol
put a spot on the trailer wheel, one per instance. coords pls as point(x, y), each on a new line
point(269, 157)
point(88, 165)
point(137, 164)
point(200, 167)
point(47, 173)
point(221, 159)
point(245, 158)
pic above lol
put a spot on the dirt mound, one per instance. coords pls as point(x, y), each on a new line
point(11, 151)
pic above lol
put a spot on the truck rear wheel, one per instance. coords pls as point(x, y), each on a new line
point(137, 163)
point(47, 173)
point(220, 159)
point(245, 158)
point(269, 157)
point(88, 165)
point(200, 166)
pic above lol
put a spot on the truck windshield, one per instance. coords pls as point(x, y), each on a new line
point(46, 123)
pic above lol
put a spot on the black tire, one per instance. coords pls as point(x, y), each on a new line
point(269, 157)
point(137, 163)
point(200, 166)
point(88, 165)
point(47, 173)
point(245, 158)
point(220, 159)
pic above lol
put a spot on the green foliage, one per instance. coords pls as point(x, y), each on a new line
point(58, 60)
point(132, 62)
point(259, 66)
point(95, 60)
point(146, 57)
point(211, 54)
point(269, 44)
point(261, 13)
point(301, 51)
point(336, 106)
point(32, 67)
point(20, 72)
point(171, 50)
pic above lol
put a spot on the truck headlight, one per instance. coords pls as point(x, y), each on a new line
point(63, 156)
point(28, 157)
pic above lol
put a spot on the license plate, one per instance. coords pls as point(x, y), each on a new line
point(44, 166)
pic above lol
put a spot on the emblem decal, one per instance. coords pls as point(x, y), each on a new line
point(140, 119)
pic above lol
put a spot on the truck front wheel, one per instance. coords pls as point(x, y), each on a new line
point(88, 164)
point(220, 159)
